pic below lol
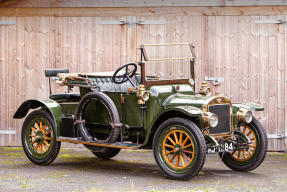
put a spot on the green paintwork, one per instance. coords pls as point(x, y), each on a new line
point(49, 105)
point(163, 99)
point(56, 110)
point(69, 108)
point(249, 106)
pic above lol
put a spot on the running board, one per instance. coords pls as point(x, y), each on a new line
point(120, 145)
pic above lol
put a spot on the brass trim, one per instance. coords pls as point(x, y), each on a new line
point(170, 59)
point(132, 90)
point(217, 101)
point(122, 98)
point(241, 115)
point(204, 88)
point(206, 119)
point(140, 95)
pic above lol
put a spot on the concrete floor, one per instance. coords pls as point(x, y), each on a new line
point(78, 170)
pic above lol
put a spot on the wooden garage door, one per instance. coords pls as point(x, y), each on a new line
point(248, 57)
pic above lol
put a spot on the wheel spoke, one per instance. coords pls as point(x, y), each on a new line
point(46, 143)
point(249, 133)
point(36, 147)
point(167, 145)
point(238, 155)
point(177, 160)
point(176, 139)
point(244, 154)
point(47, 138)
point(169, 138)
point(252, 139)
point(37, 126)
point(182, 161)
point(169, 152)
point(34, 130)
point(180, 138)
point(40, 148)
point(44, 147)
point(190, 152)
point(187, 146)
point(47, 132)
point(244, 130)
point(186, 139)
point(44, 129)
point(33, 142)
point(251, 145)
point(186, 156)
point(172, 158)
point(41, 126)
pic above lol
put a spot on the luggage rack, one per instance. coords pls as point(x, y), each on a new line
point(120, 145)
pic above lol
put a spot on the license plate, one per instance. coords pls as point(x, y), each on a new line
point(223, 147)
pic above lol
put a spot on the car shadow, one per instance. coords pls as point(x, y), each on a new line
point(127, 168)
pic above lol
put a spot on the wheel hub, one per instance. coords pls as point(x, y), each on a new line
point(178, 149)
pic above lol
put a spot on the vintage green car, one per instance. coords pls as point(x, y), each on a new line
point(131, 110)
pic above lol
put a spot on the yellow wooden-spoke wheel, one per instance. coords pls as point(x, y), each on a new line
point(247, 153)
point(247, 157)
point(38, 138)
point(178, 149)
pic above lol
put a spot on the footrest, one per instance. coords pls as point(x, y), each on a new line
point(121, 145)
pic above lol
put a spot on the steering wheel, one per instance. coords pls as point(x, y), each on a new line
point(125, 73)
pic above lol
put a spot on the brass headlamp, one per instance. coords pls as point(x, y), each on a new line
point(244, 115)
point(142, 95)
point(210, 119)
point(204, 90)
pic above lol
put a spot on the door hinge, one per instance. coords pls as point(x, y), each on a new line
point(276, 136)
point(7, 132)
point(113, 22)
point(7, 22)
point(151, 22)
point(214, 80)
point(269, 21)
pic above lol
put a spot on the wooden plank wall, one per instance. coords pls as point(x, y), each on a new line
point(250, 57)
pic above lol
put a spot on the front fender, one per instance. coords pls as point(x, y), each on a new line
point(249, 106)
point(184, 110)
point(53, 108)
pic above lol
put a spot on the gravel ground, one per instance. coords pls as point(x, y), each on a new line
point(78, 170)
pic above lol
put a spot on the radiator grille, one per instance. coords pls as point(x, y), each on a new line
point(223, 113)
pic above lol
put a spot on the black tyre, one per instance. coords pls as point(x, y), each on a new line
point(113, 124)
point(107, 153)
point(39, 138)
point(179, 148)
point(248, 158)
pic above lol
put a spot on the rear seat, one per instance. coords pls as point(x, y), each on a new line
point(102, 79)
point(72, 97)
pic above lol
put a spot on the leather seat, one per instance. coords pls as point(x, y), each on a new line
point(66, 97)
point(107, 85)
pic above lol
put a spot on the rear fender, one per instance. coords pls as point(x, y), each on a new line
point(51, 106)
